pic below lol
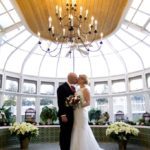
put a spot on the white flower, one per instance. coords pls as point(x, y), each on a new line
point(121, 130)
point(24, 128)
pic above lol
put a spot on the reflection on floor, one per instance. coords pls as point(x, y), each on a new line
point(55, 146)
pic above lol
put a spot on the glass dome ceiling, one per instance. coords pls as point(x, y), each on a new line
point(127, 50)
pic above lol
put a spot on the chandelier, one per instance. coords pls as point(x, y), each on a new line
point(78, 31)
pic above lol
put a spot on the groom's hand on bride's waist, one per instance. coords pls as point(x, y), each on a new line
point(64, 118)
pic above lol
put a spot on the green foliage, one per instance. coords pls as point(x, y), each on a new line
point(48, 113)
point(94, 114)
point(6, 114)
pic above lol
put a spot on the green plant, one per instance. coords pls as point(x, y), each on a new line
point(48, 113)
point(94, 114)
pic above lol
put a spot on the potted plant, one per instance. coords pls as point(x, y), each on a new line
point(121, 132)
point(49, 114)
point(94, 114)
point(24, 131)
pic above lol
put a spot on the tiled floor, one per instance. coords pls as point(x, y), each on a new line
point(55, 146)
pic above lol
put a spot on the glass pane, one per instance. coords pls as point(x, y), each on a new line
point(12, 84)
point(7, 21)
point(140, 22)
point(120, 104)
point(47, 88)
point(2, 10)
point(148, 80)
point(145, 6)
point(29, 87)
point(135, 83)
point(118, 86)
point(15, 65)
point(9, 104)
point(14, 15)
point(7, 4)
point(27, 102)
point(101, 88)
point(102, 104)
point(138, 106)
point(5, 51)
point(0, 81)
point(45, 102)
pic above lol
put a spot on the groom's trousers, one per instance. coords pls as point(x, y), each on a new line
point(65, 135)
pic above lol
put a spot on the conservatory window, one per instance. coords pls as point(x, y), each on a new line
point(136, 83)
point(27, 102)
point(47, 88)
point(0, 81)
point(137, 106)
point(118, 86)
point(29, 86)
point(12, 84)
point(148, 80)
point(120, 104)
point(46, 101)
point(101, 88)
point(9, 102)
point(102, 104)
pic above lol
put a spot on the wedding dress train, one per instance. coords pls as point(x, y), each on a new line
point(82, 135)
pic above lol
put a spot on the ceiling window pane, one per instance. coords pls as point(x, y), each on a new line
point(136, 83)
point(14, 15)
point(12, 84)
point(16, 41)
point(145, 6)
point(32, 65)
point(132, 60)
point(7, 4)
point(2, 10)
point(5, 51)
point(142, 21)
point(144, 51)
point(29, 86)
point(101, 88)
point(130, 14)
point(118, 86)
point(12, 33)
point(7, 21)
point(127, 38)
point(14, 64)
point(136, 3)
point(47, 88)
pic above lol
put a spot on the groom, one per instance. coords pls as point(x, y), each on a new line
point(65, 114)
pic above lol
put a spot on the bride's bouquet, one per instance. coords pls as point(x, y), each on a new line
point(73, 101)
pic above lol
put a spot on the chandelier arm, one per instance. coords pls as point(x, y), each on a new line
point(54, 49)
point(57, 53)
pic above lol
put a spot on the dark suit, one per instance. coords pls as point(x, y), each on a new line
point(63, 92)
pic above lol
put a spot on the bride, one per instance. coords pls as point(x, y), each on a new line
point(82, 135)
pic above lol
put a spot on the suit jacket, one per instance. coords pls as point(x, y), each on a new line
point(63, 92)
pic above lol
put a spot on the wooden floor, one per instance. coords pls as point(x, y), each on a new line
point(55, 146)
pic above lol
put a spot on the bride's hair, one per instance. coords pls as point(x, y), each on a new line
point(85, 78)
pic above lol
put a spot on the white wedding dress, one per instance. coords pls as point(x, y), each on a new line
point(82, 135)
